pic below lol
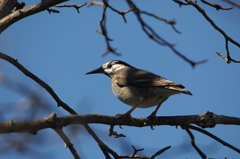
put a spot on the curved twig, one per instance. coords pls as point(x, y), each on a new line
point(68, 143)
point(194, 144)
point(227, 38)
point(37, 80)
point(214, 137)
point(151, 33)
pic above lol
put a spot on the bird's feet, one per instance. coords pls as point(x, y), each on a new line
point(126, 115)
point(152, 116)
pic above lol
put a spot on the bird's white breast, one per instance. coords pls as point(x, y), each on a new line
point(131, 95)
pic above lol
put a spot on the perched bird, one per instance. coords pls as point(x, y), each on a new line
point(138, 88)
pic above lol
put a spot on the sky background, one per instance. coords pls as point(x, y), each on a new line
point(61, 48)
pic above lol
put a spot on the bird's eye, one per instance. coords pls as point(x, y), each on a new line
point(109, 65)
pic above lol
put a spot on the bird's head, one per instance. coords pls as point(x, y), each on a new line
point(111, 67)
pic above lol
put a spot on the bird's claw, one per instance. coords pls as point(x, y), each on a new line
point(152, 117)
point(124, 115)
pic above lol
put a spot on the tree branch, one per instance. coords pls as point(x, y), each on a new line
point(38, 80)
point(214, 137)
point(68, 143)
point(103, 31)
point(203, 120)
point(216, 6)
point(232, 3)
point(152, 34)
point(6, 7)
point(103, 146)
point(227, 38)
point(207, 119)
point(77, 7)
point(194, 144)
point(160, 151)
point(22, 13)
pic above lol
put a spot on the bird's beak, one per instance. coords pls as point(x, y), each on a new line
point(99, 70)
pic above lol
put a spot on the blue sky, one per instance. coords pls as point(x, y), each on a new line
point(61, 48)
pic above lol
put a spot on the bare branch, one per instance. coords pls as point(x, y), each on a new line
point(136, 156)
point(228, 59)
point(180, 3)
point(68, 143)
point(135, 151)
point(122, 13)
point(114, 133)
point(232, 3)
point(104, 33)
point(194, 144)
point(227, 38)
point(52, 11)
point(170, 22)
point(160, 152)
point(25, 12)
point(214, 137)
point(217, 6)
point(203, 120)
point(221, 55)
point(6, 7)
point(103, 147)
point(77, 7)
point(151, 33)
point(92, 2)
point(38, 80)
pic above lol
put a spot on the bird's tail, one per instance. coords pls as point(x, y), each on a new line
point(180, 90)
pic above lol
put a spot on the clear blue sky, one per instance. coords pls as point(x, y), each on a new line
point(61, 48)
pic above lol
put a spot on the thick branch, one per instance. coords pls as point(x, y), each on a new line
point(207, 119)
point(6, 7)
point(22, 13)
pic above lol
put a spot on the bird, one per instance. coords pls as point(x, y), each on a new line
point(138, 88)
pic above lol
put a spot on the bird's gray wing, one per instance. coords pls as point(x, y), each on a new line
point(142, 78)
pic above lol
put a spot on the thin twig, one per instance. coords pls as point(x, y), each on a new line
point(111, 132)
point(151, 33)
point(229, 59)
point(135, 152)
point(104, 33)
point(77, 7)
point(221, 55)
point(50, 10)
point(122, 13)
point(68, 143)
point(232, 3)
point(216, 6)
point(170, 22)
point(160, 151)
point(214, 137)
point(92, 2)
point(180, 3)
point(227, 38)
point(102, 146)
point(194, 144)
